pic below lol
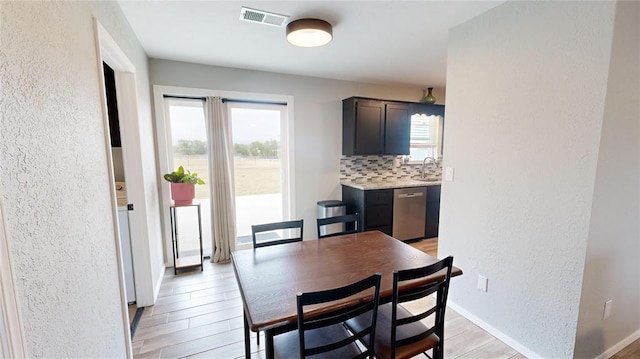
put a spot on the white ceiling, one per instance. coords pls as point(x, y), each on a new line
point(385, 42)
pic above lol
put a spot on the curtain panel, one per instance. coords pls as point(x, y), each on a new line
point(223, 221)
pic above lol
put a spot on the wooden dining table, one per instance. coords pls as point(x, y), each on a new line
point(270, 277)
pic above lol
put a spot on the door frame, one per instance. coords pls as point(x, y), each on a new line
point(163, 136)
point(110, 53)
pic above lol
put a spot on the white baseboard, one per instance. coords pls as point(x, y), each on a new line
point(493, 331)
point(158, 283)
point(618, 347)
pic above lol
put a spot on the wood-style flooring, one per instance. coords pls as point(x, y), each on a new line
point(631, 351)
point(199, 315)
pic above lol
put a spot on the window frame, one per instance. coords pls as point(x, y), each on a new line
point(439, 127)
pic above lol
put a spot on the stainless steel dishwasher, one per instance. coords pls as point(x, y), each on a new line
point(409, 212)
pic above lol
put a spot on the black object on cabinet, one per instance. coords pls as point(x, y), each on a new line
point(433, 211)
point(375, 127)
point(375, 208)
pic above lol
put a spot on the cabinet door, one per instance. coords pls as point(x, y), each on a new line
point(378, 210)
point(397, 129)
point(369, 127)
point(433, 211)
point(354, 200)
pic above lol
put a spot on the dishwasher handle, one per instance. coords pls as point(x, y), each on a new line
point(410, 195)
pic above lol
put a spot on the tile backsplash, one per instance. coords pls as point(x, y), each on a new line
point(381, 168)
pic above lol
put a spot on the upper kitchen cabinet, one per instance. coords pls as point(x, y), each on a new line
point(397, 129)
point(375, 127)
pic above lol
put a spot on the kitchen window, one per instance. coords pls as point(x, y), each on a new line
point(426, 137)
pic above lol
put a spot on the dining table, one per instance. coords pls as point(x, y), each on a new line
point(270, 277)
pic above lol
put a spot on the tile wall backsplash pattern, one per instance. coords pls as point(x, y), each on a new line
point(382, 168)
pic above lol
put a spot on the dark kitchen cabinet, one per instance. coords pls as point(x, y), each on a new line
point(375, 208)
point(375, 127)
point(397, 129)
point(433, 211)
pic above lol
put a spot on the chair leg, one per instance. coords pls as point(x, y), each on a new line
point(258, 337)
point(247, 338)
point(438, 351)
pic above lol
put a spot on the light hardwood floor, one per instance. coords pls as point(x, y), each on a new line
point(631, 351)
point(199, 315)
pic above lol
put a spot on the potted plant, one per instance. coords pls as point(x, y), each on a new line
point(183, 185)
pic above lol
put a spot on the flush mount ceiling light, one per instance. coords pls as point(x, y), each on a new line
point(309, 32)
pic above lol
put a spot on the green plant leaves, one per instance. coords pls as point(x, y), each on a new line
point(182, 176)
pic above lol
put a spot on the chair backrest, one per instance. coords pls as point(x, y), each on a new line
point(287, 228)
point(441, 287)
point(306, 324)
point(350, 224)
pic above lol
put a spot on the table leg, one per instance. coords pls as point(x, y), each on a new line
point(247, 338)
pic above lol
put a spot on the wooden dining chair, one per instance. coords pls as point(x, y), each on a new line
point(288, 227)
point(401, 334)
point(269, 229)
point(350, 222)
point(325, 335)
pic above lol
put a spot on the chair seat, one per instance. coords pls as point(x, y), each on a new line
point(286, 345)
point(383, 338)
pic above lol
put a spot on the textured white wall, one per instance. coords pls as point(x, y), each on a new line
point(53, 174)
point(612, 268)
point(317, 118)
point(525, 100)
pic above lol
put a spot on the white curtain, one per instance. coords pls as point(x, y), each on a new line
point(223, 213)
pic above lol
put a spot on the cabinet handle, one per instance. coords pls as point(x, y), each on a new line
point(410, 195)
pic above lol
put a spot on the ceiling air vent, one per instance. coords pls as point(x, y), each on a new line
point(262, 17)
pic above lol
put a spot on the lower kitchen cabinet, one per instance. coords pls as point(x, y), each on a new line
point(375, 208)
point(433, 211)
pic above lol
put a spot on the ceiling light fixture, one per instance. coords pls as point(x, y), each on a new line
point(309, 32)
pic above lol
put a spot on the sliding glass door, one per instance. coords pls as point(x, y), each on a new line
point(189, 145)
point(261, 163)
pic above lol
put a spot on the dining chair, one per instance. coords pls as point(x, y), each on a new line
point(325, 335)
point(399, 332)
point(350, 222)
point(295, 228)
point(268, 229)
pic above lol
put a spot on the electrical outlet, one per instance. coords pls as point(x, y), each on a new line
point(607, 309)
point(483, 283)
point(448, 174)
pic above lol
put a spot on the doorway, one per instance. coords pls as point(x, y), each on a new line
point(124, 207)
point(133, 163)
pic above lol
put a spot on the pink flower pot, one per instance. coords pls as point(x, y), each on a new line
point(183, 193)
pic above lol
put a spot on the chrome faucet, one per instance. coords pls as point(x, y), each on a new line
point(424, 161)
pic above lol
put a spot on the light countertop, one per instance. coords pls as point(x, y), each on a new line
point(386, 184)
